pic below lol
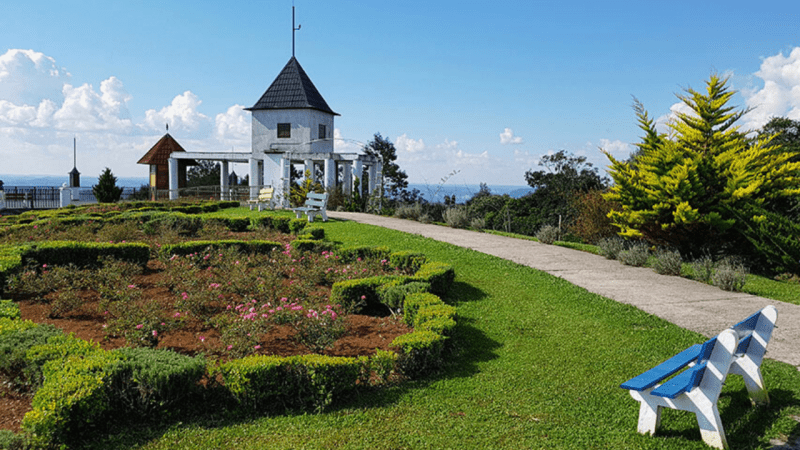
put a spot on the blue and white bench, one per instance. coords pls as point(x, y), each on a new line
point(739, 350)
point(315, 204)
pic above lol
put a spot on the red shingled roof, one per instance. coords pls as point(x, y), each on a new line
point(160, 152)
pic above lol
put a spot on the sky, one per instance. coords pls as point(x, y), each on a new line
point(469, 91)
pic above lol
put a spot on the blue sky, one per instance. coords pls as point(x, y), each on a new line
point(482, 88)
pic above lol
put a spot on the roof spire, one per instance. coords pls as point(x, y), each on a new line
point(293, 29)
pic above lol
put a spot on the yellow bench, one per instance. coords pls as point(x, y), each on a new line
point(264, 198)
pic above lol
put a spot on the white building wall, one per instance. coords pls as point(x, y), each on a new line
point(305, 129)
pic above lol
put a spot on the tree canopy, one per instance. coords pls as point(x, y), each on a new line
point(395, 180)
point(706, 186)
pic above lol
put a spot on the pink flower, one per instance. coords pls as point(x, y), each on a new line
point(139, 327)
point(131, 286)
point(230, 347)
point(44, 266)
point(202, 338)
point(155, 333)
point(257, 347)
point(363, 297)
point(177, 314)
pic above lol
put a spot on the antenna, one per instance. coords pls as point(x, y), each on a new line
point(167, 128)
point(75, 152)
point(293, 30)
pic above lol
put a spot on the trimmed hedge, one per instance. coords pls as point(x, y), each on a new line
point(393, 293)
point(360, 293)
point(420, 351)
point(83, 254)
point(438, 274)
point(407, 260)
point(14, 363)
point(187, 248)
point(363, 252)
point(415, 302)
point(9, 309)
point(262, 382)
point(236, 224)
point(297, 225)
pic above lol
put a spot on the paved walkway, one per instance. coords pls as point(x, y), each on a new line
point(686, 303)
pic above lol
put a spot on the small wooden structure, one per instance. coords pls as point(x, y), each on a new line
point(158, 160)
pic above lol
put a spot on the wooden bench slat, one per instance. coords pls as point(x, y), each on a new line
point(683, 382)
point(663, 370)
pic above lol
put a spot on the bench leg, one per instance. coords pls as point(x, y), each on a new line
point(251, 207)
point(711, 427)
point(751, 372)
point(649, 418)
point(324, 216)
point(311, 215)
point(297, 214)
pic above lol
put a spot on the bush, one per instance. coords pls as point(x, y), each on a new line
point(636, 255)
point(14, 346)
point(703, 268)
point(668, 262)
point(610, 247)
point(457, 217)
point(106, 190)
point(83, 254)
point(349, 254)
point(729, 275)
point(11, 441)
point(187, 248)
point(235, 224)
point(9, 309)
point(355, 295)
point(407, 261)
point(414, 302)
point(591, 223)
point(420, 351)
point(478, 223)
point(547, 234)
point(393, 294)
point(316, 232)
point(297, 225)
point(413, 211)
point(180, 223)
point(439, 275)
point(150, 381)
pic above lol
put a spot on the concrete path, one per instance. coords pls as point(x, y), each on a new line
point(686, 303)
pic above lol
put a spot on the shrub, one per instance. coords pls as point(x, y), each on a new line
point(611, 246)
point(83, 254)
point(316, 232)
point(318, 330)
point(478, 223)
point(394, 293)
point(411, 211)
point(11, 441)
point(177, 222)
point(14, 346)
point(547, 234)
point(414, 302)
point(9, 309)
point(407, 261)
point(420, 351)
point(703, 268)
point(438, 274)
point(297, 225)
point(591, 221)
point(150, 381)
point(187, 248)
point(668, 262)
point(348, 254)
point(281, 224)
point(636, 255)
point(457, 217)
point(236, 224)
point(355, 295)
point(729, 275)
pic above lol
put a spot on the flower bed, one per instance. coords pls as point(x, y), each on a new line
point(223, 304)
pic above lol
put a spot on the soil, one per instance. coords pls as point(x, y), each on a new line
point(364, 334)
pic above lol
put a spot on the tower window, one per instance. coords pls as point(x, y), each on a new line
point(323, 131)
point(284, 130)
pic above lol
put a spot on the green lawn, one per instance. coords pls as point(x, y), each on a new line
point(535, 363)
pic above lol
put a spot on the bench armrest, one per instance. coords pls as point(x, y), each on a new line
point(663, 370)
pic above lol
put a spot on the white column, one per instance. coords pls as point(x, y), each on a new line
point(223, 181)
point(255, 179)
point(330, 173)
point(373, 174)
point(173, 178)
point(347, 178)
point(65, 195)
point(309, 167)
point(286, 174)
point(358, 174)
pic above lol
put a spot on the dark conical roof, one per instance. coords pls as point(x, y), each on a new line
point(292, 89)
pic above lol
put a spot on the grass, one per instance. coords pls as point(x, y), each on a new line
point(536, 364)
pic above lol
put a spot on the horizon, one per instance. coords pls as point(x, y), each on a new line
point(476, 88)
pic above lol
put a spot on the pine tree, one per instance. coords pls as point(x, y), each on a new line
point(106, 190)
point(705, 186)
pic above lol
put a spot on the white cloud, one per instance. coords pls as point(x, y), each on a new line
point(28, 77)
point(507, 137)
point(403, 143)
point(780, 95)
point(344, 145)
point(233, 126)
point(181, 114)
point(86, 110)
point(617, 148)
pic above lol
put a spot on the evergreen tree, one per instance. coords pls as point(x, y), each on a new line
point(394, 179)
point(205, 173)
point(106, 190)
point(706, 186)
